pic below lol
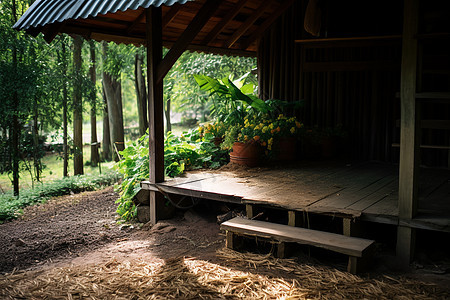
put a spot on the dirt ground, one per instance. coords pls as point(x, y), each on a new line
point(80, 230)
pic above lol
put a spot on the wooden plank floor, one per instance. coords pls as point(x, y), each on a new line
point(366, 190)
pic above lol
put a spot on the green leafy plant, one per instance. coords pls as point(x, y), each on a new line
point(11, 206)
point(186, 152)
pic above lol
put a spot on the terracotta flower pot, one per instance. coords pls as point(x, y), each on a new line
point(247, 154)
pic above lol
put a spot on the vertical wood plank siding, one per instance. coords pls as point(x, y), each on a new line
point(363, 100)
point(355, 85)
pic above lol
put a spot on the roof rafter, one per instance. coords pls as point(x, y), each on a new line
point(269, 21)
point(136, 22)
point(252, 19)
point(201, 18)
point(222, 24)
point(170, 15)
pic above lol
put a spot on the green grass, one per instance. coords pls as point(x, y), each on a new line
point(11, 206)
point(52, 171)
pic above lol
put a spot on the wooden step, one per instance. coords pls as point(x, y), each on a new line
point(355, 248)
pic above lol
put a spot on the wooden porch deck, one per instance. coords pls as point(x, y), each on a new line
point(368, 191)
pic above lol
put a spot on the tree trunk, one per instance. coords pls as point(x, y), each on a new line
point(167, 113)
point(15, 121)
point(141, 94)
point(65, 97)
point(106, 147)
point(36, 147)
point(94, 144)
point(77, 109)
point(113, 91)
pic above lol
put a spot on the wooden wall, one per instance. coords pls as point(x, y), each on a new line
point(350, 83)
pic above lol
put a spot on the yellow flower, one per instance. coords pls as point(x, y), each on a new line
point(280, 116)
point(271, 126)
point(293, 130)
point(264, 129)
point(245, 137)
point(270, 141)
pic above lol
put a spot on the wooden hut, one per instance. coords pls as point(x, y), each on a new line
point(379, 68)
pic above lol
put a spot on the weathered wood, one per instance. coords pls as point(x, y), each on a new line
point(351, 227)
point(155, 95)
point(224, 22)
point(405, 244)
point(155, 107)
point(362, 193)
point(248, 23)
point(229, 240)
point(409, 136)
point(200, 19)
point(136, 22)
point(362, 38)
point(257, 34)
point(335, 242)
point(396, 145)
point(295, 218)
point(170, 15)
point(282, 250)
point(249, 211)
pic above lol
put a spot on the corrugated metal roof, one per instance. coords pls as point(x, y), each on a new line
point(43, 12)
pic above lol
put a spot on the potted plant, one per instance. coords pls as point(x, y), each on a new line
point(214, 132)
point(286, 131)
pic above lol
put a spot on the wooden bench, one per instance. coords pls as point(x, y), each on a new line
point(359, 250)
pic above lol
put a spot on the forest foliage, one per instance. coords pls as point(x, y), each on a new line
point(37, 86)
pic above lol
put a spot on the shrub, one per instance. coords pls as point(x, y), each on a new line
point(189, 151)
point(11, 206)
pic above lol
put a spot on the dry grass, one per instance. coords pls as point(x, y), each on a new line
point(197, 279)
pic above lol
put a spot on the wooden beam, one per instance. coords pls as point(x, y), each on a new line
point(267, 23)
point(409, 139)
point(155, 95)
point(200, 19)
point(247, 24)
point(224, 22)
point(136, 22)
point(170, 15)
point(155, 107)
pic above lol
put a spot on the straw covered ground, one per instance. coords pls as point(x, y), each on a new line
point(182, 258)
point(189, 278)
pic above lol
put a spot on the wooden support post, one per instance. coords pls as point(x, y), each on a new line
point(155, 106)
point(250, 211)
point(351, 227)
point(282, 250)
point(294, 218)
point(230, 240)
point(409, 141)
point(406, 237)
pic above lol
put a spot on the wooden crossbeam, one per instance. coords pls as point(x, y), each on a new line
point(247, 24)
point(267, 23)
point(212, 35)
point(136, 22)
point(170, 15)
point(208, 9)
